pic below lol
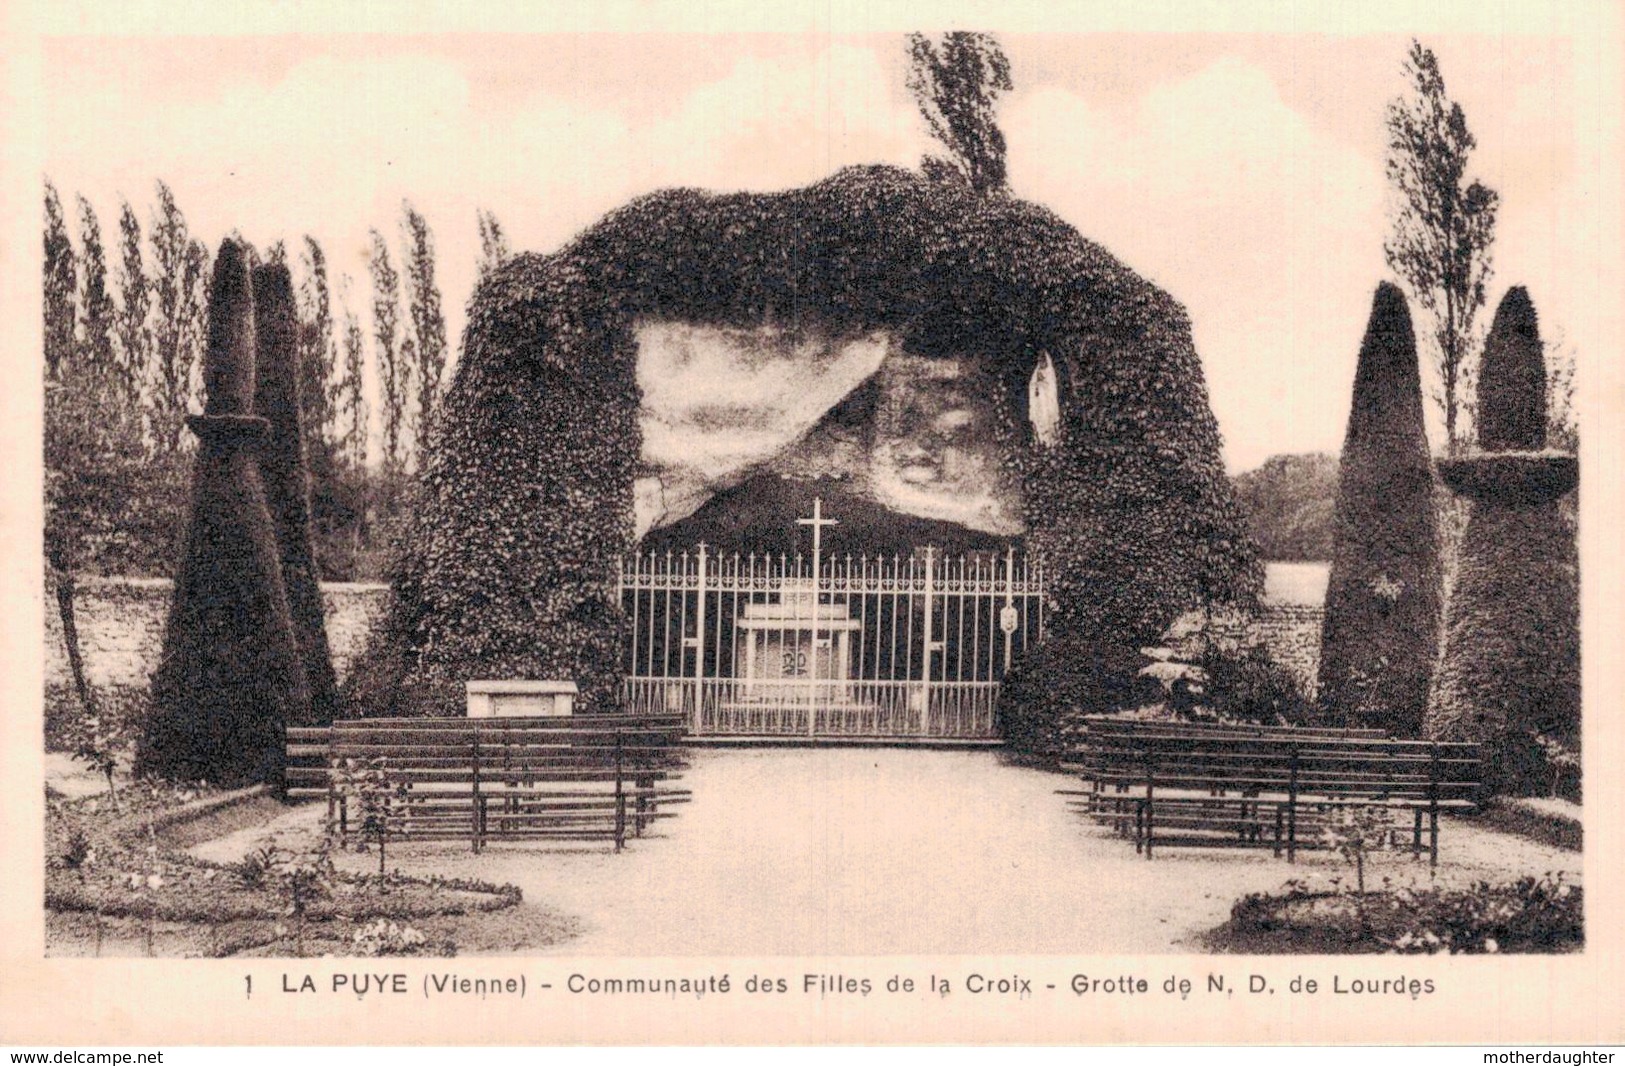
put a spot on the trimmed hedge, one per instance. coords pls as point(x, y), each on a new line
point(230, 677)
point(1379, 639)
point(510, 570)
point(1510, 674)
point(287, 481)
point(1512, 379)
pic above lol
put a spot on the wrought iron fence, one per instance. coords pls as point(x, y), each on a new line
point(827, 646)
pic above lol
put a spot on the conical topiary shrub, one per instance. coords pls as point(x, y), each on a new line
point(286, 478)
point(1510, 673)
point(1379, 638)
point(230, 677)
point(1512, 379)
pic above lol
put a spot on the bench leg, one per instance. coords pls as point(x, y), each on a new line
point(620, 821)
point(1150, 826)
point(1433, 839)
point(1278, 827)
point(1416, 834)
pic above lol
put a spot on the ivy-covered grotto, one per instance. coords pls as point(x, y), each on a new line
point(844, 296)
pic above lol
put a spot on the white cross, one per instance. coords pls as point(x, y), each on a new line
point(818, 522)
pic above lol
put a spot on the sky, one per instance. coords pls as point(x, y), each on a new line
point(1241, 172)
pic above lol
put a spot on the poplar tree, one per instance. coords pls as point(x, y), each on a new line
point(179, 266)
point(1443, 226)
point(493, 242)
point(97, 315)
point(394, 373)
point(350, 396)
point(428, 325)
point(317, 351)
point(61, 284)
point(134, 298)
point(956, 88)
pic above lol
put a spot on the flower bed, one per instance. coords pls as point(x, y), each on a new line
point(1532, 915)
point(111, 863)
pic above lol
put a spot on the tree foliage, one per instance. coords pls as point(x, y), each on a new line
point(97, 315)
point(180, 268)
point(92, 436)
point(318, 354)
point(135, 298)
point(394, 369)
point(1443, 226)
point(494, 250)
point(61, 276)
point(1289, 502)
point(1381, 629)
point(511, 569)
point(956, 87)
point(428, 323)
point(351, 399)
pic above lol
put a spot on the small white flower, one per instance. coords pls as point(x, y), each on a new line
point(154, 881)
point(1387, 587)
point(1491, 946)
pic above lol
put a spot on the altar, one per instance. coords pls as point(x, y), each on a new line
point(797, 649)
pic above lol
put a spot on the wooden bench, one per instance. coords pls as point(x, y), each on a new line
point(484, 779)
point(1174, 784)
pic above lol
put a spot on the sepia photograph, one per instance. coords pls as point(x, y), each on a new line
point(819, 488)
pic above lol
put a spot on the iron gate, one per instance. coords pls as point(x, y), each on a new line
point(851, 646)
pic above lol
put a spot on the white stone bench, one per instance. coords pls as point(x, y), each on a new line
point(521, 699)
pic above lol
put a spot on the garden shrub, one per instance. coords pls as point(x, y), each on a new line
point(1228, 672)
point(121, 711)
point(230, 677)
point(1512, 379)
point(287, 479)
point(1532, 915)
point(1062, 679)
point(510, 569)
point(110, 864)
point(1510, 673)
point(1246, 685)
point(1379, 637)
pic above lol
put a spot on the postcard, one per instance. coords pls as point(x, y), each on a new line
point(812, 524)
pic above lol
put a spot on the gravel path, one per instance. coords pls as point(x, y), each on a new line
point(892, 851)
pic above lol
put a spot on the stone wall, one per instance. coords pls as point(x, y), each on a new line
point(121, 628)
point(1291, 633)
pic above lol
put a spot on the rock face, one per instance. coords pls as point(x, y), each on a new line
point(876, 330)
point(913, 434)
point(719, 403)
